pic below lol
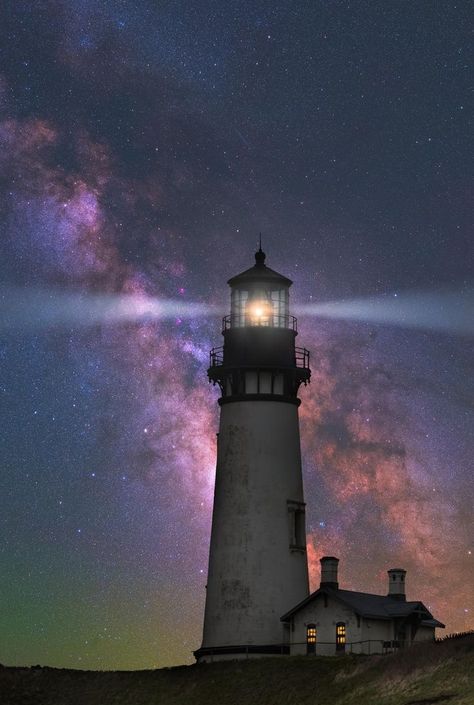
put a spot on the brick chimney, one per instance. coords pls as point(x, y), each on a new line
point(396, 584)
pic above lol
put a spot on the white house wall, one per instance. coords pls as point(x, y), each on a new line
point(362, 636)
point(374, 633)
point(325, 619)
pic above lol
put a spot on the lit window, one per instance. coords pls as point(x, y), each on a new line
point(340, 636)
point(311, 639)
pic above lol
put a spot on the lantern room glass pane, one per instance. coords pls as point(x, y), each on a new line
point(260, 307)
point(280, 301)
point(237, 308)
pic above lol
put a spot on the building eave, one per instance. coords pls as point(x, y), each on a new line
point(392, 609)
point(436, 624)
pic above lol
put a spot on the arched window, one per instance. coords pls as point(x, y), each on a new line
point(311, 639)
point(340, 636)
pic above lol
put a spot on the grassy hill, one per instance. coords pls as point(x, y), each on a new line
point(424, 675)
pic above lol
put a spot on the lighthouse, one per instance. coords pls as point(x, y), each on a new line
point(257, 563)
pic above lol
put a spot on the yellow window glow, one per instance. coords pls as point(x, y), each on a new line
point(340, 633)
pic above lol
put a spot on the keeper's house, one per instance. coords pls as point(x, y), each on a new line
point(332, 621)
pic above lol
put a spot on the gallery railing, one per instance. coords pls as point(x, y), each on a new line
point(273, 320)
point(216, 357)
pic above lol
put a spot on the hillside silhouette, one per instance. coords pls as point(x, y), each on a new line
point(440, 672)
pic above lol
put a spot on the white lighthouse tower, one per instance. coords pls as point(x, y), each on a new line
point(257, 564)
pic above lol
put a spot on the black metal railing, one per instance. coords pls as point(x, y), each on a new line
point(322, 648)
point(216, 357)
point(302, 358)
point(271, 321)
point(247, 649)
point(365, 646)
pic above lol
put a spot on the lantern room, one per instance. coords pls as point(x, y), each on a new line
point(259, 355)
point(260, 297)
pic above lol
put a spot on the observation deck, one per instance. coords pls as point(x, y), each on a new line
point(301, 359)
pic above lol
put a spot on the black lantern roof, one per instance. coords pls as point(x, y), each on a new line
point(259, 273)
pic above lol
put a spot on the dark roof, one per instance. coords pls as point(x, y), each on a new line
point(259, 273)
point(432, 623)
point(367, 605)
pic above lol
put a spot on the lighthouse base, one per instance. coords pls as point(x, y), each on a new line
point(228, 653)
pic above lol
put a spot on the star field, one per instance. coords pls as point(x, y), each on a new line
point(143, 147)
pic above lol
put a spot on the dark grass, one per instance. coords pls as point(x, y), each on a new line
point(423, 675)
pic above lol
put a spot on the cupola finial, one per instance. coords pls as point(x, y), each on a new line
point(260, 254)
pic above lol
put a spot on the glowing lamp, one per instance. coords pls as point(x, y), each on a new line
point(259, 311)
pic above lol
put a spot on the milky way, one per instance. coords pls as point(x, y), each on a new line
point(142, 149)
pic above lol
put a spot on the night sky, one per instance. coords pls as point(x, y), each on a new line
point(143, 147)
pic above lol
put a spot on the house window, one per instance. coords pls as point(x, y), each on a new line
point(340, 636)
point(311, 639)
point(296, 525)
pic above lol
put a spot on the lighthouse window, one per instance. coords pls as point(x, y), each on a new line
point(296, 525)
point(280, 302)
point(251, 382)
point(237, 308)
point(265, 383)
point(278, 384)
point(340, 636)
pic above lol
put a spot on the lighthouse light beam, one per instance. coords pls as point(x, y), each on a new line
point(448, 311)
point(33, 309)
